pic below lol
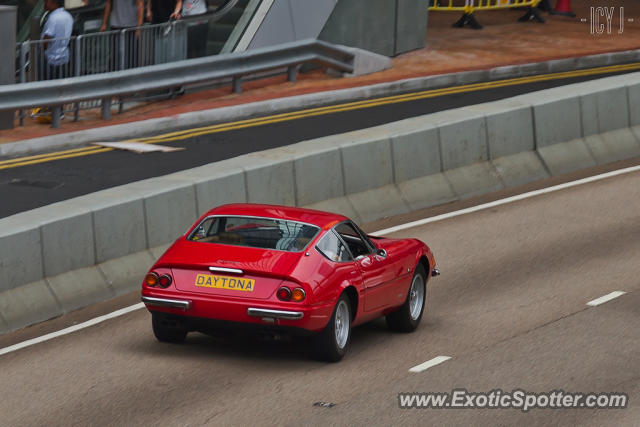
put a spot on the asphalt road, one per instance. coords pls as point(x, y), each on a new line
point(510, 309)
point(28, 187)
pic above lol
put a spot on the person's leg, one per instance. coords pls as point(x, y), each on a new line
point(191, 40)
point(49, 71)
point(125, 48)
point(134, 49)
point(117, 51)
point(197, 39)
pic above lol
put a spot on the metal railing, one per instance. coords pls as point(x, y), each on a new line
point(103, 52)
point(470, 7)
point(220, 68)
point(109, 51)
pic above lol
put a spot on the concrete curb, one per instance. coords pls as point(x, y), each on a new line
point(227, 114)
point(70, 254)
point(51, 297)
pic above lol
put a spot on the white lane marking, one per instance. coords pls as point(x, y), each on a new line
point(381, 232)
point(429, 364)
point(138, 147)
point(71, 329)
point(605, 298)
point(506, 200)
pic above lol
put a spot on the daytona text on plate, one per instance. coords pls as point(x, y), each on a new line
point(224, 282)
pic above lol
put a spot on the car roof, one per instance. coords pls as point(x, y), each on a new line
point(309, 216)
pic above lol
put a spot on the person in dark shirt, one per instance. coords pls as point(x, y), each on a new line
point(197, 29)
point(123, 16)
point(159, 11)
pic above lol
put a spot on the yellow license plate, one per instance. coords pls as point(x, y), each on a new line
point(225, 282)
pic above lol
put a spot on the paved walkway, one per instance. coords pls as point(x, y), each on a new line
point(503, 41)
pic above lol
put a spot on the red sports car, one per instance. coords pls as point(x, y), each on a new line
point(284, 269)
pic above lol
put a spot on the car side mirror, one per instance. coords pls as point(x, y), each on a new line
point(381, 253)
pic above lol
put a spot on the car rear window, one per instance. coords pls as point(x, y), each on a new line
point(265, 233)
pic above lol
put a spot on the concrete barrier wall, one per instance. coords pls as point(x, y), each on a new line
point(63, 256)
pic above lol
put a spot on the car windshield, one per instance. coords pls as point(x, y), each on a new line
point(265, 233)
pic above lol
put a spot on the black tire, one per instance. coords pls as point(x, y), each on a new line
point(326, 345)
point(167, 329)
point(402, 320)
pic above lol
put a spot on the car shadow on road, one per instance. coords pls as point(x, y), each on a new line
point(254, 348)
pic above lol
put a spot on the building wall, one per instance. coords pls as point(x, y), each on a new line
point(387, 27)
point(289, 20)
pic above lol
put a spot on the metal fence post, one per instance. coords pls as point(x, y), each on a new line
point(106, 108)
point(237, 84)
point(56, 116)
point(24, 51)
point(122, 53)
point(292, 73)
point(77, 71)
point(106, 115)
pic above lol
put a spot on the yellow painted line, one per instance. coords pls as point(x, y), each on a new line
point(277, 118)
point(190, 133)
point(59, 157)
point(40, 156)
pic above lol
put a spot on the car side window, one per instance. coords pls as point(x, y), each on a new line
point(353, 239)
point(367, 240)
point(332, 248)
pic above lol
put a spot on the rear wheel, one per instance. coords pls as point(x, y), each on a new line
point(332, 343)
point(167, 329)
point(408, 317)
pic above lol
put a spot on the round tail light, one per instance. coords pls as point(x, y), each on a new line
point(164, 281)
point(284, 294)
point(151, 279)
point(298, 294)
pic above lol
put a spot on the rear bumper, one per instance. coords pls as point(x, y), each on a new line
point(267, 313)
point(274, 314)
point(167, 302)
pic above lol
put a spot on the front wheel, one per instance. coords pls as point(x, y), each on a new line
point(332, 343)
point(408, 317)
point(167, 329)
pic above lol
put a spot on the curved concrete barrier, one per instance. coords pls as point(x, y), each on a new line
point(70, 254)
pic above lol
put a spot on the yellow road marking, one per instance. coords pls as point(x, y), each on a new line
point(39, 156)
point(311, 112)
point(190, 133)
point(58, 157)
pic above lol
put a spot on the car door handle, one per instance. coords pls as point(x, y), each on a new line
point(353, 272)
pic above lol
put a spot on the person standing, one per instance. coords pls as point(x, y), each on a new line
point(197, 29)
point(58, 28)
point(159, 11)
point(161, 43)
point(121, 15)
